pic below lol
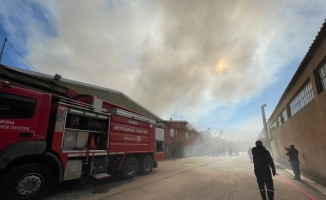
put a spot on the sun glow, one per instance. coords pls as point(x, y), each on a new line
point(219, 66)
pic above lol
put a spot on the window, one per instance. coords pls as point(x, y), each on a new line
point(159, 146)
point(280, 120)
point(321, 78)
point(172, 132)
point(302, 99)
point(14, 106)
point(284, 116)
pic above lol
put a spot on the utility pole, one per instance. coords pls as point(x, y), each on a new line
point(264, 120)
point(268, 141)
point(3, 46)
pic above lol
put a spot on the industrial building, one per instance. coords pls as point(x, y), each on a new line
point(57, 85)
point(180, 137)
point(180, 132)
point(300, 115)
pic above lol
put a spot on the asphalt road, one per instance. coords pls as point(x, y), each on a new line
point(190, 179)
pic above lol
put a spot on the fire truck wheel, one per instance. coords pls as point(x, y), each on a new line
point(146, 164)
point(29, 181)
point(129, 168)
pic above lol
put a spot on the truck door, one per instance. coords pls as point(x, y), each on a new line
point(19, 115)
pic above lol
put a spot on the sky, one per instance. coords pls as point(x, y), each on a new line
point(212, 63)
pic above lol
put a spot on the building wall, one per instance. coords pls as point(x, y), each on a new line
point(306, 129)
point(167, 137)
point(180, 132)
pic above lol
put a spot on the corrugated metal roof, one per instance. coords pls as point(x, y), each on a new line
point(313, 47)
point(19, 78)
point(47, 82)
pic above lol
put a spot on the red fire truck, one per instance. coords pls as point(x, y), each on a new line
point(46, 139)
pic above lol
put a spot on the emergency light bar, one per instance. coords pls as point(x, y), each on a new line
point(132, 115)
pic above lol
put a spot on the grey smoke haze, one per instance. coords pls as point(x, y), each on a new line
point(161, 53)
point(164, 53)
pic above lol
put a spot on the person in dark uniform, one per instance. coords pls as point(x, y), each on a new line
point(263, 163)
point(294, 160)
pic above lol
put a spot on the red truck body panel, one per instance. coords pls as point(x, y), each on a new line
point(127, 135)
point(17, 129)
point(72, 137)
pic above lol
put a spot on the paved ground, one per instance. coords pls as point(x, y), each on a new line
point(190, 179)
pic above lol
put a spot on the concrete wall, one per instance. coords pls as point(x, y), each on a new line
point(306, 129)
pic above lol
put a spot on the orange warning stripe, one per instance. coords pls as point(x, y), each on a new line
point(296, 187)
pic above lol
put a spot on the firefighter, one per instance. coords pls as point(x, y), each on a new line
point(263, 163)
point(294, 160)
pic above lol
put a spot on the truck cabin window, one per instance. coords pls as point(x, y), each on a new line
point(14, 106)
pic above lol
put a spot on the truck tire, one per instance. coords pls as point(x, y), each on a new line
point(129, 168)
point(146, 164)
point(27, 182)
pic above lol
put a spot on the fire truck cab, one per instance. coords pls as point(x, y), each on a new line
point(46, 139)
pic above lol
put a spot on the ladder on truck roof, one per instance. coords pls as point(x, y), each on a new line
point(81, 105)
point(128, 114)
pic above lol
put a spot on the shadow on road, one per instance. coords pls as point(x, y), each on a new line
point(72, 188)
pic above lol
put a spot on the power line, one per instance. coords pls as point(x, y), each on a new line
point(22, 56)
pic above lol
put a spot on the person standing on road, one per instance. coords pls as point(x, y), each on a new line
point(294, 160)
point(250, 154)
point(263, 163)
